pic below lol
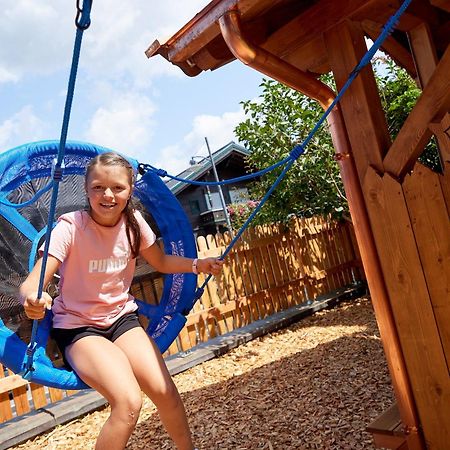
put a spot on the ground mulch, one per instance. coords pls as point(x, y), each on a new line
point(314, 385)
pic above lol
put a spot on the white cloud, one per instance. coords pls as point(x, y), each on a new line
point(24, 126)
point(217, 129)
point(34, 38)
point(39, 36)
point(124, 123)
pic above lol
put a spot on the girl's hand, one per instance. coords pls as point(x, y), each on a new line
point(34, 308)
point(210, 265)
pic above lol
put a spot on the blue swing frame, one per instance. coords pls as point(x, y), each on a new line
point(34, 160)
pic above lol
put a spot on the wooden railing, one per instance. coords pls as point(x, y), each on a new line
point(271, 269)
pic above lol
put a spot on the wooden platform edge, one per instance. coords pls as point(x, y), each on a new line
point(28, 426)
point(387, 429)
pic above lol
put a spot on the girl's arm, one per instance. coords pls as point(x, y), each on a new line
point(34, 307)
point(179, 264)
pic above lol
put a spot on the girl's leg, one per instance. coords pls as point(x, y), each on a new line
point(152, 375)
point(106, 368)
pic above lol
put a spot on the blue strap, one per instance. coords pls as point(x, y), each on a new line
point(82, 22)
point(6, 202)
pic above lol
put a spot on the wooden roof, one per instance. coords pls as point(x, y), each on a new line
point(293, 30)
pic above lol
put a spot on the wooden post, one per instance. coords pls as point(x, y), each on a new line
point(369, 140)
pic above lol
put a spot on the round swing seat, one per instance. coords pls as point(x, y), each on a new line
point(25, 190)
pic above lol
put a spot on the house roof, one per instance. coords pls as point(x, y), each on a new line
point(198, 170)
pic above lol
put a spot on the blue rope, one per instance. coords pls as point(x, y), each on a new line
point(386, 31)
point(299, 149)
point(162, 173)
point(280, 177)
point(82, 22)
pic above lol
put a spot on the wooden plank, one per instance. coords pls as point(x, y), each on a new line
point(430, 222)
point(411, 305)
point(432, 105)
point(391, 46)
point(184, 337)
point(388, 423)
point(361, 105)
point(12, 382)
point(5, 404)
point(38, 395)
point(424, 52)
point(55, 394)
point(20, 399)
point(203, 27)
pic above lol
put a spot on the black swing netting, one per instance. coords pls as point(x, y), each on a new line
point(16, 248)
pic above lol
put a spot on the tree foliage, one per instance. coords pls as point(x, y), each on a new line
point(274, 125)
point(283, 117)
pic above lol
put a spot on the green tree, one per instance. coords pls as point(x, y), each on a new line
point(274, 125)
point(283, 117)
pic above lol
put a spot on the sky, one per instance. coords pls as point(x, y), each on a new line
point(145, 108)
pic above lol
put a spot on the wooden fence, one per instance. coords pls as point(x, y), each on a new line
point(272, 268)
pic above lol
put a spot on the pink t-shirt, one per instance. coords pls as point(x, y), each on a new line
point(96, 270)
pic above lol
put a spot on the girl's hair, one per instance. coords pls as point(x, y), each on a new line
point(132, 227)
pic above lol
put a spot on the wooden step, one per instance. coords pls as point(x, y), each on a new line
point(387, 430)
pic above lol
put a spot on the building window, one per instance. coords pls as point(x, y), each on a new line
point(239, 195)
point(213, 200)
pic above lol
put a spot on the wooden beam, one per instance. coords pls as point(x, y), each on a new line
point(441, 130)
point(311, 57)
point(392, 47)
point(432, 105)
point(443, 4)
point(320, 18)
point(361, 104)
point(424, 52)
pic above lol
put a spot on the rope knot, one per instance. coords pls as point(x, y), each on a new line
point(297, 151)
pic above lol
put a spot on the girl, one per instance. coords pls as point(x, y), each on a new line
point(95, 322)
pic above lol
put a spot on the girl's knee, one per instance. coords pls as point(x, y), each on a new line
point(127, 408)
point(167, 395)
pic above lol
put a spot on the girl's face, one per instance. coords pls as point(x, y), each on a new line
point(108, 190)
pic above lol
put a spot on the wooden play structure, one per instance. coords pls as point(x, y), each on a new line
point(400, 208)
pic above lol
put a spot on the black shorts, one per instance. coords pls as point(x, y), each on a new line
point(67, 336)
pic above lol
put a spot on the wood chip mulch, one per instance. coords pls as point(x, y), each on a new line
point(314, 385)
